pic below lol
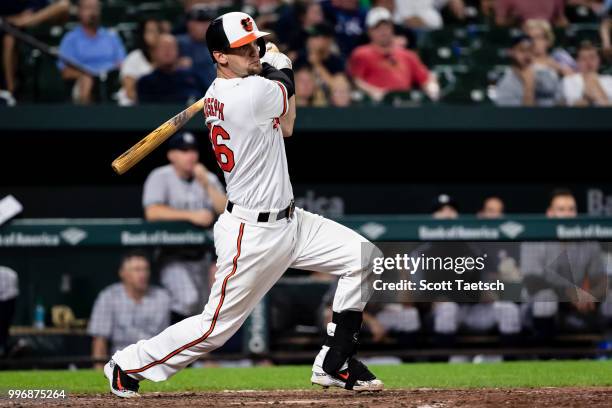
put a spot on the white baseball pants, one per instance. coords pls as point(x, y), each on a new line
point(251, 258)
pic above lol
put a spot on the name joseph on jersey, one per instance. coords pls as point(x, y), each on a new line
point(212, 107)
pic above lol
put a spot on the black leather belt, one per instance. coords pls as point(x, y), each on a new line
point(265, 216)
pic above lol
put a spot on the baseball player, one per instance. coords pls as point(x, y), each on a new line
point(249, 108)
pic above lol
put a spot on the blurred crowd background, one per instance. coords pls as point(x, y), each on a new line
point(345, 52)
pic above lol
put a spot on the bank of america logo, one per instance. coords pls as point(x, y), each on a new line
point(511, 229)
point(73, 235)
point(373, 230)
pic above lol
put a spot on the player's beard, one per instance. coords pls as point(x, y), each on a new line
point(254, 69)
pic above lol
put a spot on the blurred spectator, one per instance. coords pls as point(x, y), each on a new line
point(516, 12)
point(128, 311)
point(307, 92)
point(9, 290)
point(605, 28)
point(445, 208)
point(348, 19)
point(168, 83)
point(562, 272)
point(265, 12)
point(319, 55)
point(340, 92)
point(192, 46)
point(543, 39)
point(380, 66)
point(588, 87)
point(184, 190)
point(487, 313)
point(295, 24)
point(138, 63)
point(26, 14)
point(526, 84)
point(492, 208)
point(96, 48)
point(425, 14)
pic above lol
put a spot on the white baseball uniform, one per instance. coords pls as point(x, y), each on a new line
point(243, 118)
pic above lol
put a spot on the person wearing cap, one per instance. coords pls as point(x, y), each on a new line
point(169, 83)
point(249, 111)
point(381, 67)
point(525, 83)
point(184, 190)
point(193, 50)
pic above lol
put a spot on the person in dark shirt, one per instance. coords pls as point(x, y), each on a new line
point(192, 45)
point(348, 19)
point(168, 83)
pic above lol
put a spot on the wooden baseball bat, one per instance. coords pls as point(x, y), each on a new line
point(151, 141)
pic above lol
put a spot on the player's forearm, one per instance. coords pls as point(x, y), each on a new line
point(160, 212)
point(288, 121)
point(604, 31)
point(217, 197)
point(99, 348)
point(54, 11)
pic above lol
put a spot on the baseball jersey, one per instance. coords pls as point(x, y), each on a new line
point(164, 186)
point(243, 119)
point(118, 318)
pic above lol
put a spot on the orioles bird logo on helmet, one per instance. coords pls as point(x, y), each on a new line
point(247, 24)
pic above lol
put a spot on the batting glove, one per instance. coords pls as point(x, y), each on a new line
point(276, 58)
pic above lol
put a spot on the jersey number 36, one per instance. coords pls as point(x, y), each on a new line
point(225, 156)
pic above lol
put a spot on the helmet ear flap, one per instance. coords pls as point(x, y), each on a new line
point(261, 43)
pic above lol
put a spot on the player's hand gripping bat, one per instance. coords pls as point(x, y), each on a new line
point(151, 141)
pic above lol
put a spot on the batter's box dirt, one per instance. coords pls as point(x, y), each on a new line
point(590, 397)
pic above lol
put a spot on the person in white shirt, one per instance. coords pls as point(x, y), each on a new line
point(138, 63)
point(587, 87)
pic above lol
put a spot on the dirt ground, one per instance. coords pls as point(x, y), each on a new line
point(415, 398)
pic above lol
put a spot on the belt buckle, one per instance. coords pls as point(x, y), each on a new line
point(291, 209)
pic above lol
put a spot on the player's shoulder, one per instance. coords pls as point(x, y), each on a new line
point(162, 172)
point(256, 82)
point(159, 294)
point(110, 292)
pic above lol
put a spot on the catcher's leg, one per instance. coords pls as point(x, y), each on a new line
point(326, 246)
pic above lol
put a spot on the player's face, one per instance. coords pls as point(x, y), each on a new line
point(184, 160)
point(493, 208)
point(135, 273)
point(562, 207)
point(244, 61)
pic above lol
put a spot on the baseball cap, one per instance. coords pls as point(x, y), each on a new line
point(202, 12)
point(377, 15)
point(233, 30)
point(443, 200)
point(183, 141)
point(519, 38)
